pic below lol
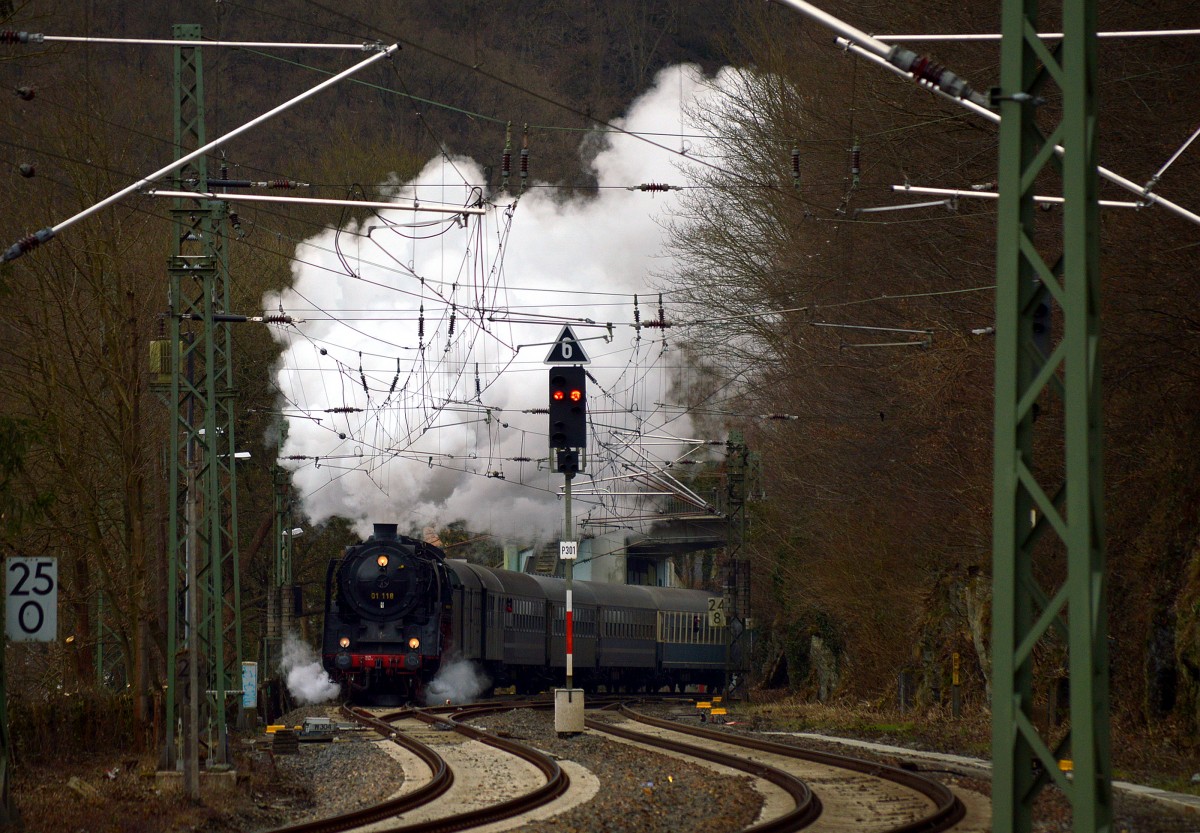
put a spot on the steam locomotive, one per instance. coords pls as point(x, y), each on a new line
point(397, 610)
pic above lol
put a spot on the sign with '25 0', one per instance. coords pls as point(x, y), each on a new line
point(31, 599)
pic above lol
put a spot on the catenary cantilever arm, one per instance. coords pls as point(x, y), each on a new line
point(22, 246)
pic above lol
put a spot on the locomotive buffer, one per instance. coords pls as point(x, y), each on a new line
point(568, 445)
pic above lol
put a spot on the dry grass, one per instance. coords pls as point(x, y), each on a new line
point(111, 793)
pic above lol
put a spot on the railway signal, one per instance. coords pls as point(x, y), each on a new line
point(568, 407)
point(568, 439)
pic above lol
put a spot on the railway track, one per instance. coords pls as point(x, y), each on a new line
point(440, 784)
point(804, 790)
point(855, 796)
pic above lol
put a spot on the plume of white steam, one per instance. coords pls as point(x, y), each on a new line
point(458, 681)
point(428, 437)
point(306, 679)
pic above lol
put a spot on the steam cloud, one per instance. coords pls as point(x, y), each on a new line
point(306, 679)
point(426, 448)
point(458, 681)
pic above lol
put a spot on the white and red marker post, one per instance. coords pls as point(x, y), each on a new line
point(568, 701)
point(568, 551)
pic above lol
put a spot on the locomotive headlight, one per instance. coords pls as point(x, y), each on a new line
point(344, 642)
point(414, 643)
point(382, 561)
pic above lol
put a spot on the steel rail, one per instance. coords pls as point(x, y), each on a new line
point(556, 784)
point(557, 781)
point(442, 779)
point(808, 805)
point(948, 810)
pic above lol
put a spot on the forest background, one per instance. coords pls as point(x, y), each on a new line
point(871, 545)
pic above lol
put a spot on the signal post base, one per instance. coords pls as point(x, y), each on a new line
point(568, 711)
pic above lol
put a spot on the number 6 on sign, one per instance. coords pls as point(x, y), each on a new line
point(31, 599)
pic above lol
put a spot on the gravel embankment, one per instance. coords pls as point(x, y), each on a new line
point(639, 790)
point(335, 778)
point(1052, 812)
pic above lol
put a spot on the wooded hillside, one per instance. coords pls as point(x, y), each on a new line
point(872, 548)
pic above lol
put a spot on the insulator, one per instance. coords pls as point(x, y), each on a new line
point(363, 376)
point(525, 156)
point(637, 314)
point(521, 459)
point(26, 244)
point(344, 409)
point(478, 389)
point(27, 170)
point(421, 329)
point(450, 333)
point(662, 318)
point(283, 319)
point(796, 166)
point(12, 36)
point(536, 411)
point(235, 221)
point(284, 183)
point(25, 93)
point(395, 379)
point(925, 69)
point(506, 159)
point(657, 186)
point(295, 457)
point(855, 160)
point(224, 170)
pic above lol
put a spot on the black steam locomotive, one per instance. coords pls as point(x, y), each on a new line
point(397, 610)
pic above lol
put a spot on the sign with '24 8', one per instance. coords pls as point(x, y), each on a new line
point(31, 599)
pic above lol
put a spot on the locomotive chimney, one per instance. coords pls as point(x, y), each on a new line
point(384, 532)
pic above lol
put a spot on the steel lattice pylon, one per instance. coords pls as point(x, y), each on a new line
point(1034, 524)
point(737, 576)
point(202, 561)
